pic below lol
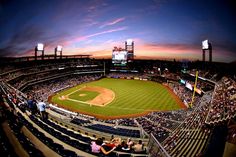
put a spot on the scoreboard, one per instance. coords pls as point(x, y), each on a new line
point(119, 57)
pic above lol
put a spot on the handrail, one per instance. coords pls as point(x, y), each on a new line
point(162, 150)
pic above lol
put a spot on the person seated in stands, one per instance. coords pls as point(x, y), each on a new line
point(96, 146)
point(42, 109)
point(112, 137)
point(103, 140)
point(129, 143)
point(14, 98)
point(115, 142)
point(124, 147)
point(107, 150)
point(21, 105)
point(139, 147)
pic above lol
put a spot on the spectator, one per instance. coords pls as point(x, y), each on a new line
point(129, 143)
point(42, 110)
point(116, 141)
point(96, 146)
point(124, 146)
point(138, 148)
point(21, 105)
point(107, 150)
point(112, 137)
point(31, 105)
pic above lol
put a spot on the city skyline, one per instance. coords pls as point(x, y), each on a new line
point(160, 29)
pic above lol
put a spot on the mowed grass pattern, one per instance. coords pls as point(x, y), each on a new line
point(131, 97)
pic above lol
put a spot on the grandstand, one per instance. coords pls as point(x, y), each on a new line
point(183, 131)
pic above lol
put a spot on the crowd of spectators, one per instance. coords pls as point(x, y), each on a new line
point(209, 74)
point(35, 77)
point(194, 122)
point(126, 75)
point(29, 104)
point(151, 127)
point(99, 146)
point(183, 93)
point(223, 105)
point(43, 90)
point(177, 115)
point(164, 122)
point(170, 76)
point(11, 72)
point(4, 69)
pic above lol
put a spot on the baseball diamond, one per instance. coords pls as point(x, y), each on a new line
point(114, 98)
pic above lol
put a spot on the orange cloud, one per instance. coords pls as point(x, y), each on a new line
point(171, 51)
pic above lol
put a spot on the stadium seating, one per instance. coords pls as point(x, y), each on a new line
point(79, 121)
point(184, 132)
point(6, 149)
point(49, 142)
point(25, 142)
point(115, 131)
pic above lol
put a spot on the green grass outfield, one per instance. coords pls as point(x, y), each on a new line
point(132, 97)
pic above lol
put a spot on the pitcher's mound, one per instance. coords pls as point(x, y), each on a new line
point(82, 95)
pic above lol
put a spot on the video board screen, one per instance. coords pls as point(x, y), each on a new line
point(119, 57)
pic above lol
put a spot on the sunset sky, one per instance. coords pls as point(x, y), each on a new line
point(162, 29)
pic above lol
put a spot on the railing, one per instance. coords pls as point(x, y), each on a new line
point(155, 149)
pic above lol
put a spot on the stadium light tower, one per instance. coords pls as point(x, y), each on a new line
point(39, 48)
point(58, 49)
point(206, 45)
point(129, 47)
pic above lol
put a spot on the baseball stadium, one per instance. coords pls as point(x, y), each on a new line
point(106, 78)
point(170, 111)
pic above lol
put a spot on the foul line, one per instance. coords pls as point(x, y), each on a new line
point(83, 102)
point(74, 91)
point(113, 97)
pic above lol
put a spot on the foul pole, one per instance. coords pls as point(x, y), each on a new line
point(104, 68)
point(194, 89)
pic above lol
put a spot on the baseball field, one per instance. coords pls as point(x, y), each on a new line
point(117, 98)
